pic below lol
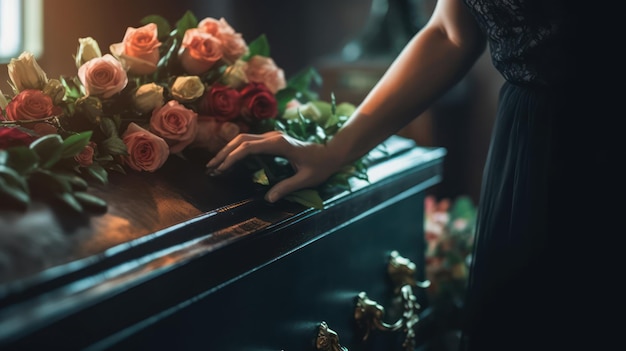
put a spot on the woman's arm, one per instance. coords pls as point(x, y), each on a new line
point(438, 56)
point(430, 64)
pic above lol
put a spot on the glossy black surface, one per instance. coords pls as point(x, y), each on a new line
point(173, 242)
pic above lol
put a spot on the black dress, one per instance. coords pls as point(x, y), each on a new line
point(532, 285)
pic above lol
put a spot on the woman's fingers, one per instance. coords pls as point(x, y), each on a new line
point(244, 145)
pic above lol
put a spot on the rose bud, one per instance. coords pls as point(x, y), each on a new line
point(88, 49)
point(25, 73)
point(148, 97)
point(90, 107)
point(187, 88)
point(55, 90)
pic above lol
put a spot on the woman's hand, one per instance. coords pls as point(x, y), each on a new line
point(312, 163)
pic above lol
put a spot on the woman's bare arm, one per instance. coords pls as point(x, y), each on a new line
point(430, 64)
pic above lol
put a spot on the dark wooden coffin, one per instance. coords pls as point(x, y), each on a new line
point(183, 261)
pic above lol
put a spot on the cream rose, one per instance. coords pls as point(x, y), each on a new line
point(187, 88)
point(103, 76)
point(176, 124)
point(235, 75)
point(139, 50)
point(148, 97)
point(199, 51)
point(25, 73)
point(88, 49)
point(146, 151)
point(261, 69)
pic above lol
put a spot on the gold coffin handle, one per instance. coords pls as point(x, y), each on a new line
point(369, 314)
point(327, 339)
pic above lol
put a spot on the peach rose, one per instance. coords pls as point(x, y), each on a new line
point(176, 124)
point(261, 69)
point(233, 44)
point(103, 76)
point(30, 104)
point(199, 51)
point(146, 151)
point(139, 50)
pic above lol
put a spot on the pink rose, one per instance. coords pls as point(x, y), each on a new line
point(85, 157)
point(139, 50)
point(261, 69)
point(199, 51)
point(221, 102)
point(30, 104)
point(176, 124)
point(213, 135)
point(146, 151)
point(233, 44)
point(103, 76)
point(258, 102)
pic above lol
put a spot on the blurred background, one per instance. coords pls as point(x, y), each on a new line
point(350, 42)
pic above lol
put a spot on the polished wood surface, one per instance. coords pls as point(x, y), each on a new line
point(169, 238)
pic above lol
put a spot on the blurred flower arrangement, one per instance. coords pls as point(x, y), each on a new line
point(449, 232)
point(159, 92)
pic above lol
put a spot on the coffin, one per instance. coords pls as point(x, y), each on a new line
point(184, 261)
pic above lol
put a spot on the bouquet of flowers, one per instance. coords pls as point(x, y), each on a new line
point(161, 91)
point(449, 232)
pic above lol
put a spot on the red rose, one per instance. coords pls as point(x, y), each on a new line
point(258, 102)
point(221, 102)
point(85, 157)
point(30, 104)
point(13, 136)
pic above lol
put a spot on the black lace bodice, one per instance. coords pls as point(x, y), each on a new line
point(524, 38)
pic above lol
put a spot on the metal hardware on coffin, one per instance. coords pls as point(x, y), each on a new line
point(369, 314)
point(327, 339)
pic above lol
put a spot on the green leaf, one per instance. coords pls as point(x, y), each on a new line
point(188, 21)
point(99, 173)
point(22, 159)
point(260, 177)
point(11, 196)
point(307, 197)
point(113, 146)
point(48, 148)
point(46, 183)
point(76, 183)
point(90, 201)
point(75, 143)
point(260, 46)
point(69, 199)
point(108, 127)
point(13, 178)
point(163, 26)
point(303, 80)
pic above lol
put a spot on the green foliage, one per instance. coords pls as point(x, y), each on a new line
point(40, 171)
